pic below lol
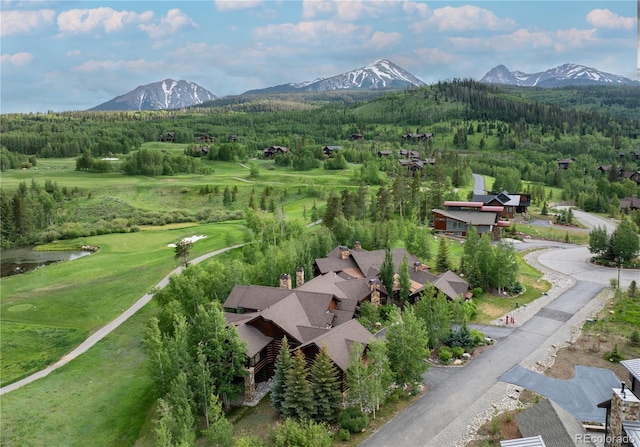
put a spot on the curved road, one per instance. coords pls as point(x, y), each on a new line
point(104, 331)
point(440, 417)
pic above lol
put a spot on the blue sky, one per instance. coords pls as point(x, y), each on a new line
point(74, 55)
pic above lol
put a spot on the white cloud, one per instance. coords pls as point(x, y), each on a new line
point(169, 24)
point(421, 10)
point(521, 39)
point(231, 5)
point(318, 32)
point(20, 22)
point(73, 53)
point(17, 59)
point(347, 10)
point(461, 18)
point(380, 40)
point(139, 66)
point(79, 21)
point(434, 56)
point(603, 18)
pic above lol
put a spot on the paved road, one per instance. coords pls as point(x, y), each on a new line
point(453, 393)
point(478, 184)
point(454, 390)
point(104, 331)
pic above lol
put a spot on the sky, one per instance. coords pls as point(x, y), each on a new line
point(74, 55)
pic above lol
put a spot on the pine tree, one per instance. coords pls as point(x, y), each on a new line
point(404, 279)
point(226, 197)
point(298, 398)
point(279, 385)
point(387, 270)
point(325, 387)
point(442, 258)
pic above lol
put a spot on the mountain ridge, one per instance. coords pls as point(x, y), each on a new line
point(561, 76)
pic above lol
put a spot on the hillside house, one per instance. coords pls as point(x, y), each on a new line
point(512, 203)
point(330, 150)
point(232, 138)
point(169, 137)
point(565, 162)
point(409, 154)
point(458, 216)
point(206, 139)
point(629, 203)
point(272, 151)
point(418, 136)
point(356, 136)
point(382, 154)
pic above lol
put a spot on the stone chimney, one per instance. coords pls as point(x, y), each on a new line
point(299, 276)
point(374, 286)
point(285, 281)
point(417, 266)
point(625, 406)
point(344, 252)
point(357, 245)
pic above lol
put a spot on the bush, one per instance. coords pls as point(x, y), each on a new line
point(444, 354)
point(457, 352)
point(301, 434)
point(614, 356)
point(343, 435)
point(462, 337)
point(477, 337)
point(634, 338)
point(353, 420)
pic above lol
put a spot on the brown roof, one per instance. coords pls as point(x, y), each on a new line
point(451, 285)
point(254, 297)
point(339, 340)
point(256, 340)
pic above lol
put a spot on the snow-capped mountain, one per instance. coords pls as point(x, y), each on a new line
point(163, 95)
point(381, 74)
point(564, 75)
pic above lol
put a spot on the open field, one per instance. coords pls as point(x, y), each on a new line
point(101, 398)
point(45, 313)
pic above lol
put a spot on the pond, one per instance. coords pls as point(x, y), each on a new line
point(24, 259)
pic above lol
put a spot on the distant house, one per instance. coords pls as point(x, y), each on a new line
point(169, 137)
point(356, 136)
point(406, 153)
point(206, 139)
point(418, 136)
point(329, 150)
point(634, 176)
point(565, 162)
point(412, 165)
point(635, 155)
point(512, 203)
point(629, 203)
point(272, 151)
point(382, 154)
point(459, 216)
point(232, 138)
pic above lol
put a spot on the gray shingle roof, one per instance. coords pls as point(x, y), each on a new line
point(633, 366)
point(556, 426)
point(475, 217)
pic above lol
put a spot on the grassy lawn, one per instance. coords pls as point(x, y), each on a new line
point(47, 312)
point(491, 307)
point(101, 398)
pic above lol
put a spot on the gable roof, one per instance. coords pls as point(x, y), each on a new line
point(555, 425)
point(451, 285)
point(633, 366)
point(254, 297)
point(339, 340)
point(473, 217)
point(256, 340)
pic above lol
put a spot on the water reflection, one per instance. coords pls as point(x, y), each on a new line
point(14, 261)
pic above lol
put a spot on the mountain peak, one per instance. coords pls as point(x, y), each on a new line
point(380, 74)
point(563, 75)
point(161, 95)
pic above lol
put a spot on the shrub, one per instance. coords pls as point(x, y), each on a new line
point(301, 434)
point(457, 352)
point(461, 337)
point(343, 435)
point(444, 354)
point(353, 420)
point(614, 356)
point(134, 229)
point(634, 338)
point(477, 337)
